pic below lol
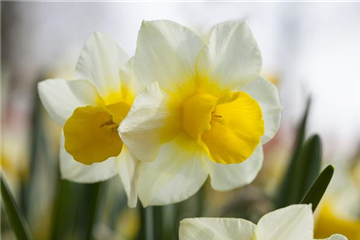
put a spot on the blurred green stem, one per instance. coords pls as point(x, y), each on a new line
point(158, 222)
point(93, 207)
point(36, 130)
point(200, 201)
point(147, 226)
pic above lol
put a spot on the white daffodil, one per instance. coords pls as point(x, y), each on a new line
point(90, 110)
point(295, 222)
point(205, 110)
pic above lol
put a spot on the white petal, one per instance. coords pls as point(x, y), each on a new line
point(99, 62)
point(61, 97)
point(215, 229)
point(127, 167)
point(336, 237)
point(166, 53)
point(129, 82)
point(81, 173)
point(232, 57)
point(150, 118)
point(291, 223)
point(176, 174)
point(267, 95)
point(225, 177)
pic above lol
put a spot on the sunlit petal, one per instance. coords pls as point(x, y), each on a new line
point(127, 166)
point(152, 120)
point(267, 95)
point(61, 97)
point(335, 237)
point(225, 177)
point(99, 62)
point(290, 223)
point(166, 53)
point(231, 58)
point(215, 229)
point(176, 174)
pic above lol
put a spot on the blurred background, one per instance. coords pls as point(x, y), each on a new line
point(308, 49)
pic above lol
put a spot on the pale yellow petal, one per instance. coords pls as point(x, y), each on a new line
point(226, 177)
point(335, 237)
point(100, 61)
point(61, 97)
point(230, 59)
point(290, 223)
point(267, 95)
point(127, 167)
point(151, 121)
point(176, 174)
point(166, 53)
point(130, 85)
point(215, 229)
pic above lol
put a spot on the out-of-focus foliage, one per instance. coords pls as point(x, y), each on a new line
point(16, 219)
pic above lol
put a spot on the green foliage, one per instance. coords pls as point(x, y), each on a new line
point(14, 214)
point(306, 170)
point(303, 168)
point(318, 188)
point(76, 210)
point(301, 183)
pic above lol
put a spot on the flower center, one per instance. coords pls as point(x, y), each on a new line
point(229, 128)
point(196, 114)
point(91, 132)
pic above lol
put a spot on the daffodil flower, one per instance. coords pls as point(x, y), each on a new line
point(205, 110)
point(90, 110)
point(295, 222)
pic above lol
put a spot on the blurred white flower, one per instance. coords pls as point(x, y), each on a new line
point(205, 110)
point(90, 110)
point(295, 222)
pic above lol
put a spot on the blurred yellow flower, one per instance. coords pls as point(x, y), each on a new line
point(90, 110)
point(295, 222)
point(205, 110)
point(329, 222)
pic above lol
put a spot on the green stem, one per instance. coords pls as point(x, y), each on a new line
point(200, 202)
point(147, 226)
point(158, 222)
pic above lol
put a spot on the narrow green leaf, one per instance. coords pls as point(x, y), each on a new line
point(16, 218)
point(318, 188)
point(282, 198)
point(306, 170)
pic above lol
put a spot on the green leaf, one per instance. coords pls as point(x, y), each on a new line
point(283, 196)
point(16, 218)
point(318, 188)
point(306, 170)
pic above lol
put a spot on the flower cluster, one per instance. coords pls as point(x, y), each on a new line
point(181, 109)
